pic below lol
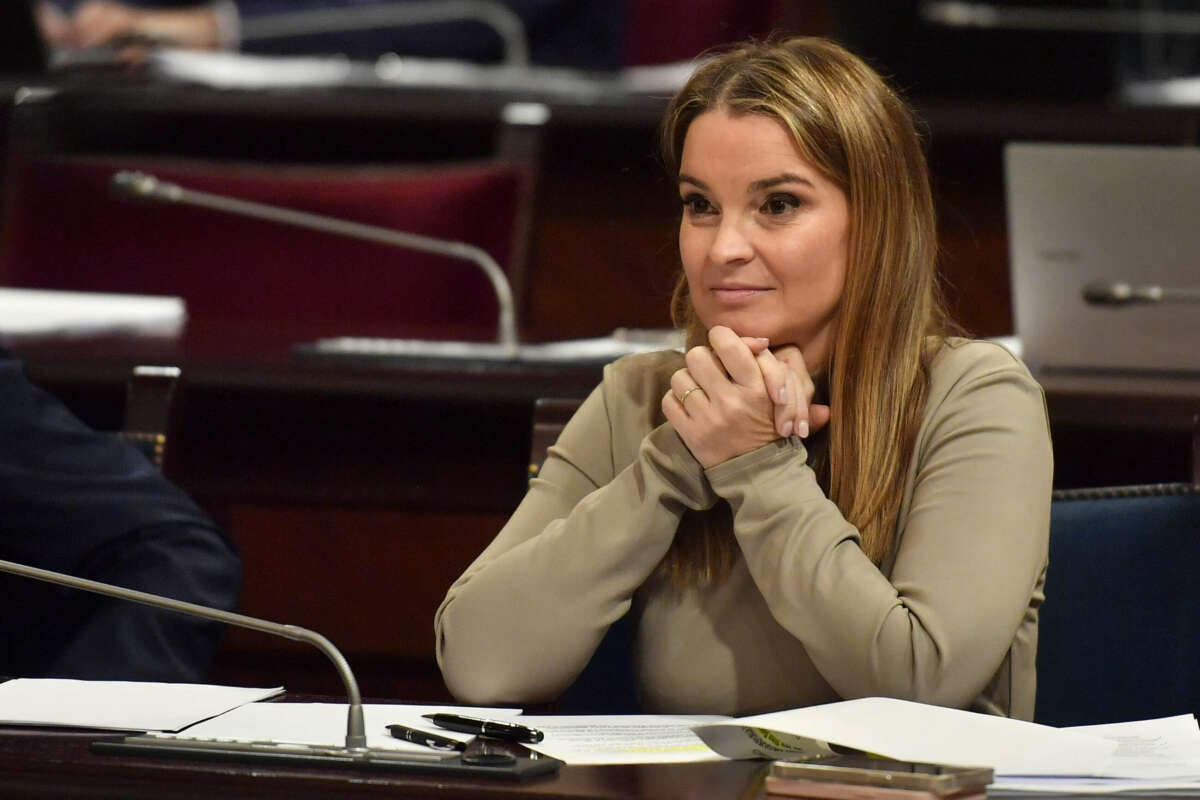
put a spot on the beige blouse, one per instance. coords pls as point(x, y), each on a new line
point(804, 617)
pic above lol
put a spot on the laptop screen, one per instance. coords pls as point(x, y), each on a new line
point(1104, 244)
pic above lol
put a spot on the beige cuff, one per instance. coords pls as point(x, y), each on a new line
point(679, 467)
point(780, 452)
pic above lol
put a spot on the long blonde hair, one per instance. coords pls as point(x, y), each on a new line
point(860, 135)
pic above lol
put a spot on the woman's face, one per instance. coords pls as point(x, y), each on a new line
point(763, 236)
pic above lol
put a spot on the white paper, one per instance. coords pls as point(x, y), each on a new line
point(917, 732)
point(1013, 786)
point(38, 312)
point(324, 724)
point(622, 342)
point(1154, 748)
point(623, 739)
point(225, 70)
point(1159, 756)
point(118, 705)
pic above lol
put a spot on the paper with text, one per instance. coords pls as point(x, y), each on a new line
point(617, 739)
point(918, 732)
point(1158, 756)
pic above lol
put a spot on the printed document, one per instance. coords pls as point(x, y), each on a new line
point(911, 731)
point(616, 739)
point(1158, 756)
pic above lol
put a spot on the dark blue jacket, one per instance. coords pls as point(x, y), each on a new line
point(82, 502)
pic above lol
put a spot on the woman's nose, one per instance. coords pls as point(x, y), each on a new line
point(731, 245)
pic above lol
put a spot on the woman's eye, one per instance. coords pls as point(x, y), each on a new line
point(696, 204)
point(778, 204)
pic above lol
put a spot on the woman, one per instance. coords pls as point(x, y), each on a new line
point(898, 550)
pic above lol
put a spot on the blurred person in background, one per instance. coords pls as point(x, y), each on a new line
point(585, 34)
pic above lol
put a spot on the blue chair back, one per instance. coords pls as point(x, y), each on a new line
point(1119, 631)
point(606, 685)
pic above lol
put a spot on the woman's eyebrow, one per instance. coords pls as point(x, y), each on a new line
point(757, 186)
point(770, 183)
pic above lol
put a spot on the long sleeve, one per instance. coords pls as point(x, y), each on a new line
point(972, 543)
point(82, 502)
point(525, 617)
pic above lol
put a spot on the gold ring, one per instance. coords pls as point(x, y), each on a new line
point(683, 399)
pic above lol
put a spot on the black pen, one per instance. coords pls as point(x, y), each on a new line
point(431, 740)
point(486, 727)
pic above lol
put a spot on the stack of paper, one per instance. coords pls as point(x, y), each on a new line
point(207, 712)
point(883, 726)
point(914, 732)
point(1154, 756)
point(1160, 756)
point(1149, 757)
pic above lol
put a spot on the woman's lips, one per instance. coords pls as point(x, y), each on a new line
point(737, 294)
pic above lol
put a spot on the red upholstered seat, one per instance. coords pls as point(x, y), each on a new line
point(65, 229)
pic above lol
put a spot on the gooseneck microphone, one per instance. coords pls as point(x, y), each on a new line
point(356, 737)
point(139, 185)
point(1120, 293)
point(355, 754)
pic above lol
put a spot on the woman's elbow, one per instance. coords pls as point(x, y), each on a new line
point(476, 673)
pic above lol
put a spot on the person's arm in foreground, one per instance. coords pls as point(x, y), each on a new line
point(81, 502)
point(525, 617)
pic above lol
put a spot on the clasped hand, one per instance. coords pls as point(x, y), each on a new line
point(737, 395)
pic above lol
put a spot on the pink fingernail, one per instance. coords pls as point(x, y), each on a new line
point(802, 431)
point(787, 429)
point(782, 395)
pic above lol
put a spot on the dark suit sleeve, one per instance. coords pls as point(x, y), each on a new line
point(82, 502)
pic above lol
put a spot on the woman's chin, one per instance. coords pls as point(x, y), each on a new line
point(752, 331)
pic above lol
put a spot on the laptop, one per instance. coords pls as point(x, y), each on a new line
point(1104, 243)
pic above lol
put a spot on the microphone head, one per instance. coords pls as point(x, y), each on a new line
point(1099, 293)
point(135, 185)
point(130, 183)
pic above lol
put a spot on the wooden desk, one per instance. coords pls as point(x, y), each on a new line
point(58, 764)
point(1120, 428)
point(317, 431)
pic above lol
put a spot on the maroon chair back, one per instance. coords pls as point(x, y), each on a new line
point(65, 229)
